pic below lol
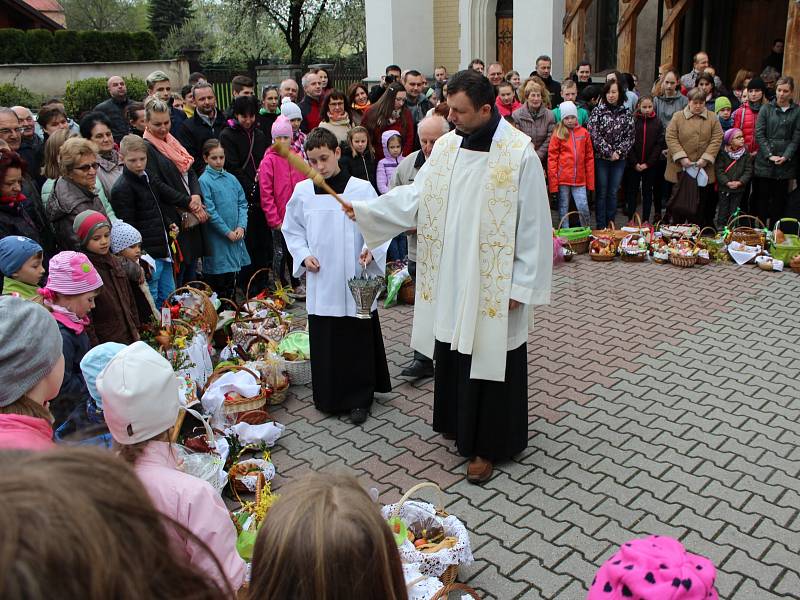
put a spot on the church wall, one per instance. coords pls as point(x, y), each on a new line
point(447, 31)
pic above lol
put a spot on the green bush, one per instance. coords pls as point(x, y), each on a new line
point(11, 95)
point(82, 96)
point(68, 46)
point(40, 45)
point(12, 46)
point(143, 46)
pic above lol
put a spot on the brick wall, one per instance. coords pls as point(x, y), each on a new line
point(447, 30)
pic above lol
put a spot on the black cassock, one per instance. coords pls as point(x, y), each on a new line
point(348, 362)
point(488, 418)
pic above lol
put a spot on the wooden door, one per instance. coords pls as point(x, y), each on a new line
point(755, 24)
point(505, 42)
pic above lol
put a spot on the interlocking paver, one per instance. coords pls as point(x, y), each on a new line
point(662, 401)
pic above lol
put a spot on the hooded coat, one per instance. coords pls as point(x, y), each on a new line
point(648, 141)
point(777, 134)
point(114, 317)
point(135, 202)
point(226, 206)
point(388, 164)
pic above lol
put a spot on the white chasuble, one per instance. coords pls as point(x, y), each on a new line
point(484, 237)
point(315, 225)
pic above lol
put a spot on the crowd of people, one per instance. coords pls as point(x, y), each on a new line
point(138, 197)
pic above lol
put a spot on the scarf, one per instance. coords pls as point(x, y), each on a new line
point(172, 149)
point(63, 315)
point(344, 121)
point(12, 201)
point(735, 154)
point(361, 107)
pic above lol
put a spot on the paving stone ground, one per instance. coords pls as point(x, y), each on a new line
point(662, 401)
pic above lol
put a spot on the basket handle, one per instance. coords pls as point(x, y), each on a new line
point(416, 488)
point(250, 281)
point(787, 220)
point(743, 216)
point(700, 233)
point(219, 372)
point(201, 286)
point(572, 212)
point(444, 592)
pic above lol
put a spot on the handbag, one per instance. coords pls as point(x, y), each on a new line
point(684, 203)
point(188, 219)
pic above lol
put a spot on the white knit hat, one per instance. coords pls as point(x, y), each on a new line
point(140, 394)
point(290, 110)
point(568, 109)
point(123, 236)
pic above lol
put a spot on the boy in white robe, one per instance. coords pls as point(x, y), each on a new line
point(328, 247)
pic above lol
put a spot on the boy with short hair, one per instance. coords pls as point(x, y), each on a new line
point(137, 203)
point(324, 242)
point(21, 266)
point(569, 92)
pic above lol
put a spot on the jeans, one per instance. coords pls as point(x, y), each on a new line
point(607, 176)
point(398, 248)
point(161, 284)
point(649, 182)
point(579, 195)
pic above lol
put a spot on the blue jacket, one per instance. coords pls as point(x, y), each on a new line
point(226, 206)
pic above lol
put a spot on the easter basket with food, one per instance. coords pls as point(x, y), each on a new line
point(231, 391)
point(250, 516)
point(660, 250)
point(192, 303)
point(685, 230)
point(440, 541)
point(245, 473)
point(602, 249)
point(682, 252)
point(270, 368)
point(711, 246)
point(743, 254)
point(633, 248)
point(784, 246)
point(748, 236)
point(575, 238)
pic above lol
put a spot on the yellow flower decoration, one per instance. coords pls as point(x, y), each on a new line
point(501, 175)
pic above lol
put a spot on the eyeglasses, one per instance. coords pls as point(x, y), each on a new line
point(7, 131)
point(86, 168)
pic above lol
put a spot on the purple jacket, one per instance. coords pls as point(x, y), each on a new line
point(387, 165)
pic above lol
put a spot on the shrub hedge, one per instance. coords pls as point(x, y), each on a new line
point(11, 95)
point(82, 96)
point(41, 46)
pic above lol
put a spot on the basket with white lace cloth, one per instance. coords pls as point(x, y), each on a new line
point(442, 563)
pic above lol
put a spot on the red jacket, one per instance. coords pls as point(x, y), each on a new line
point(745, 118)
point(570, 161)
point(505, 111)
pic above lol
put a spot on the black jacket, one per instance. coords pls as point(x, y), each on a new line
point(15, 220)
point(135, 202)
point(167, 183)
point(115, 111)
point(195, 132)
point(242, 159)
point(362, 166)
point(264, 121)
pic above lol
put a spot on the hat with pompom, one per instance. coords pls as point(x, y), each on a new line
point(654, 567)
point(290, 110)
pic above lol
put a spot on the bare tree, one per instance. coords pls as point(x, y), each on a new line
point(296, 19)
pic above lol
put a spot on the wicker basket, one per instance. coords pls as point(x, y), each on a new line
point(463, 590)
point(233, 406)
point(407, 292)
point(299, 371)
point(629, 249)
point(684, 261)
point(749, 236)
point(580, 244)
point(703, 243)
point(204, 315)
point(451, 573)
point(603, 241)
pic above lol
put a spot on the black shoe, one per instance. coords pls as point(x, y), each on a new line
point(358, 415)
point(418, 369)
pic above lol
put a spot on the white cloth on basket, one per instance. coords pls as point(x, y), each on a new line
point(241, 382)
point(255, 434)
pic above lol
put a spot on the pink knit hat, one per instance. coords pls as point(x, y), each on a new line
point(656, 568)
point(282, 127)
point(72, 273)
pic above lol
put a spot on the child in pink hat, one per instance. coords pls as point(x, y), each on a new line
point(72, 284)
point(655, 568)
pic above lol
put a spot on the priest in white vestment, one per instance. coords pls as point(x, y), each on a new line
point(484, 258)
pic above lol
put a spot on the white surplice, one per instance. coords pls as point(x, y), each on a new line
point(397, 211)
point(315, 225)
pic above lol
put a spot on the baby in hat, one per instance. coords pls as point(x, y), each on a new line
point(114, 318)
point(126, 244)
point(656, 568)
point(140, 404)
point(291, 111)
point(21, 266)
point(72, 286)
point(31, 368)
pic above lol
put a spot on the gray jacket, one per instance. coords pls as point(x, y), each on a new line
point(668, 106)
point(404, 175)
point(538, 127)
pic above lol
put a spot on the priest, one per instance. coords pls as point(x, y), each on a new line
point(484, 259)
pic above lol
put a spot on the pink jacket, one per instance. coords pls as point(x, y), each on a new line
point(276, 179)
point(19, 432)
point(194, 504)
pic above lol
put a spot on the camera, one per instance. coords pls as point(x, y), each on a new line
point(390, 79)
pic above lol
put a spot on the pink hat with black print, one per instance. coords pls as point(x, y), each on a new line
point(72, 273)
point(655, 568)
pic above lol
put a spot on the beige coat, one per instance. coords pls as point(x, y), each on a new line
point(693, 137)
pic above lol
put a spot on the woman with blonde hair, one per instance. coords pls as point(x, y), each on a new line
point(522, 91)
point(74, 191)
point(534, 118)
point(91, 534)
point(325, 538)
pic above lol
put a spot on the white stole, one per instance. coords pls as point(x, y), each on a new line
point(482, 332)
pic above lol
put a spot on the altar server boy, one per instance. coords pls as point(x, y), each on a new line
point(348, 360)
